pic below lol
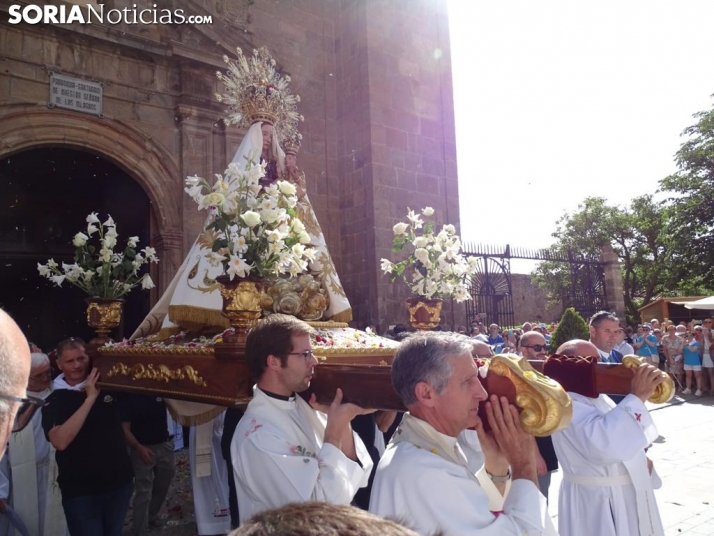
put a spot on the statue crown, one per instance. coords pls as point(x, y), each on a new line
point(255, 91)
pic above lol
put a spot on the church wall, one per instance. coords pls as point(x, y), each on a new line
point(378, 130)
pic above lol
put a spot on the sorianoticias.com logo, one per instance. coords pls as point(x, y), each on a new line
point(90, 13)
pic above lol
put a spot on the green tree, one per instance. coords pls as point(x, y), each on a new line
point(639, 235)
point(571, 326)
point(692, 202)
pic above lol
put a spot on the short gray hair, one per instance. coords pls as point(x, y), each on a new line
point(38, 360)
point(422, 357)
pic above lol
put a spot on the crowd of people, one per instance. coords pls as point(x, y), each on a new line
point(284, 450)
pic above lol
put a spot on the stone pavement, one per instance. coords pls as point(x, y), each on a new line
point(684, 458)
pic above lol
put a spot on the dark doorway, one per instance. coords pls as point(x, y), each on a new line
point(45, 195)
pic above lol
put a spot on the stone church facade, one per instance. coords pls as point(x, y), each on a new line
point(375, 81)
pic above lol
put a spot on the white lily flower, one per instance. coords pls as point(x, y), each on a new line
point(92, 218)
point(132, 242)
point(146, 282)
point(427, 211)
point(91, 229)
point(57, 279)
point(109, 222)
point(44, 270)
point(80, 239)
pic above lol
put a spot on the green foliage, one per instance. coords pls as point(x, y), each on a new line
point(571, 326)
point(692, 202)
point(640, 236)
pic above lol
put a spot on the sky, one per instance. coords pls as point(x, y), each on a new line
point(557, 100)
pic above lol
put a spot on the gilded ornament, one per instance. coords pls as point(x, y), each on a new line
point(545, 406)
point(104, 314)
point(424, 314)
point(664, 391)
point(160, 373)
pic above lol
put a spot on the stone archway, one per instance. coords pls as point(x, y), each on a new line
point(25, 126)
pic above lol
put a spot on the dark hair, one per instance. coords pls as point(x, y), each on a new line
point(69, 344)
point(320, 519)
point(272, 336)
point(597, 318)
point(399, 328)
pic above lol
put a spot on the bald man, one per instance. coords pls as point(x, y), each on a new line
point(607, 479)
point(14, 373)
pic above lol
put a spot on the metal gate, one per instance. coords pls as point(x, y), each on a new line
point(492, 293)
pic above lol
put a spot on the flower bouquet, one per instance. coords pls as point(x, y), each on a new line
point(253, 233)
point(251, 230)
point(434, 269)
point(97, 269)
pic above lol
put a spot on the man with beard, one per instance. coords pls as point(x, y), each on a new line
point(95, 472)
point(285, 450)
point(30, 457)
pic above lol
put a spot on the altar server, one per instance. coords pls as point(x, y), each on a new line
point(436, 473)
point(607, 478)
point(284, 450)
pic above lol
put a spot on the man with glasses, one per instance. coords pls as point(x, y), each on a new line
point(285, 450)
point(14, 371)
point(533, 346)
point(30, 458)
point(95, 472)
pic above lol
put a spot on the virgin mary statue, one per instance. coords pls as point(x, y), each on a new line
point(259, 98)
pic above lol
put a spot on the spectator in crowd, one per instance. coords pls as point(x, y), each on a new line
point(646, 346)
point(629, 337)
point(604, 327)
point(660, 348)
point(152, 456)
point(95, 473)
point(622, 346)
point(608, 482)
point(533, 346)
point(14, 373)
point(283, 449)
point(655, 324)
point(30, 458)
point(692, 362)
point(436, 472)
point(400, 331)
point(526, 327)
point(494, 338)
point(320, 519)
point(706, 349)
point(673, 346)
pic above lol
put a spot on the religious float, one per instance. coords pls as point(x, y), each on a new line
point(261, 252)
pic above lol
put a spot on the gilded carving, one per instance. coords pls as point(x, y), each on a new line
point(545, 406)
point(664, 391)
point(160, 373)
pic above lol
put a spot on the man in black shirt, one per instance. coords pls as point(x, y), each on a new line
point(152, 455)
point(95, 474)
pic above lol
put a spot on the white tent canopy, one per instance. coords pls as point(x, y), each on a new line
point(704, 303)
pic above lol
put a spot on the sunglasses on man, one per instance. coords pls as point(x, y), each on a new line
point(26, 411)
point(536, 347)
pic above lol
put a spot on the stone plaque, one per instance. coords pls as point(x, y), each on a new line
point(75, 94)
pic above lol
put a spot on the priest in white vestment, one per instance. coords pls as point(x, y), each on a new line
point(437, 474)
point(608, 482)
point(284, 450)
point(31, 465)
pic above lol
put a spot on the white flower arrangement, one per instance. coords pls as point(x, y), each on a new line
point(435, 267)
point(102, 273)
point(251, 230)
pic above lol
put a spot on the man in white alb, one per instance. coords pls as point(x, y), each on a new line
point(284, 450)
point(607, 478)
point(436, 473)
